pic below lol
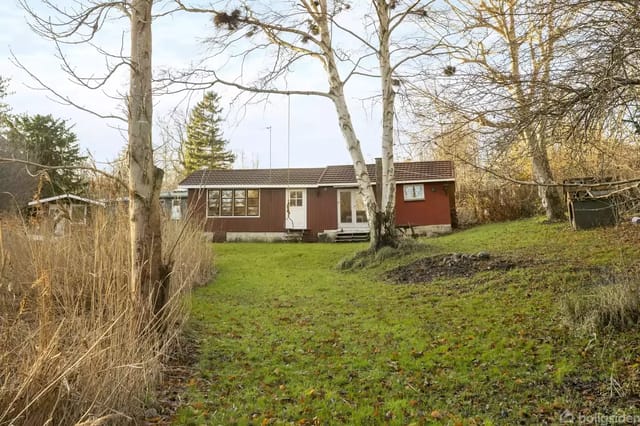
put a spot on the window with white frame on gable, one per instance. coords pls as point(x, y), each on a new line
point(413, 192)
point(233, 202)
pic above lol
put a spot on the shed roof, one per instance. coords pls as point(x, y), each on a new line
point(418, 171)
point(65, 196)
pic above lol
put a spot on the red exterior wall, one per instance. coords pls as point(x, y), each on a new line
point(435, 209)
point(322, 209)
point(271, 217)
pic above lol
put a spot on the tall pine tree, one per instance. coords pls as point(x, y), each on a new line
point(48, 141)
point(205, 147)
point(4, 108)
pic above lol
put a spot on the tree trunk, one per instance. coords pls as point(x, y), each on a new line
point(549, 195)
point(145, 179)
point(536, 142)
point(336, 89)
point(359, 164)
point(385, 234)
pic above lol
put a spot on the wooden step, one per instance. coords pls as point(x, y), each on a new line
point(352, 237)
point(295, 235)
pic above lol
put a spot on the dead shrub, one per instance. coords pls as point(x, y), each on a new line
point(490, 201)
point(71, 350)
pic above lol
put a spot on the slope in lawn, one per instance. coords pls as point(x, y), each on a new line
point(287, 338)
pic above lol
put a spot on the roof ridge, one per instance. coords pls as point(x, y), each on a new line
point(322, 174)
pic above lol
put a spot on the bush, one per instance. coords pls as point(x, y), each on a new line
point(359, 260)
point(71, 347)
point(612, 306)
point(365, 258)
point(481, 201)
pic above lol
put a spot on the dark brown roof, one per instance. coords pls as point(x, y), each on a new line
point(254, 177)
point(424, 170)
point(340, 175)
point(331, 175)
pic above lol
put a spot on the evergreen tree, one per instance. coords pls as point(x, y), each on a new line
point(204, 147)
point(44, 140)
point(4, 108)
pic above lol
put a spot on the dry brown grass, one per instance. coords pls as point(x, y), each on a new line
point(71, 350)
point(613, 305)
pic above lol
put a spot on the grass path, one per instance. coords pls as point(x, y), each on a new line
point(286, 338)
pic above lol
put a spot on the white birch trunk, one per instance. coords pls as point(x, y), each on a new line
point(336, 89)
point(145, 178)
point(386, 217)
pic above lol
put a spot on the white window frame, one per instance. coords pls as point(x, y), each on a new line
point(298, 198)
point(413, 192)
point(354, 223)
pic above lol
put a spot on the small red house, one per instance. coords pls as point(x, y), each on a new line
point(270, 204)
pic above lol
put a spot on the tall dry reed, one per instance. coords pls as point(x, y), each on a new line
point(71, 350)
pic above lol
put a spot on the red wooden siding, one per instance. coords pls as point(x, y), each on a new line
point(271, 217)
point(322, 209)
point(433, 210)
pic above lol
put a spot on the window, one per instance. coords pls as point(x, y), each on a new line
point(213, 204)
point(360, 209)
point(253, 202)
point(240, 202)
point(78, 213)
point(54, 211)
point(352, 208)
point(414, 192)
point(295, 198)
point(233, 202)
point(226, 203)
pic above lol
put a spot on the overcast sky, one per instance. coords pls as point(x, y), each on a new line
point(314, 135)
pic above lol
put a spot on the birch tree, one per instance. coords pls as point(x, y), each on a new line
point(325, 31)
point(80, 24)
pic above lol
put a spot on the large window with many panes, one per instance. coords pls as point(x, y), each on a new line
point(233, 202)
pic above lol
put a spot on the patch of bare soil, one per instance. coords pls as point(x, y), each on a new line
point(178, 371)
point(455, 265)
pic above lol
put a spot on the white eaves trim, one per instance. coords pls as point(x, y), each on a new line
point(335, 185)
point(67, 196)
point(400, 182)
point(425, 181)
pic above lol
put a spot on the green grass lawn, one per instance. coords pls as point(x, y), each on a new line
point(286, 338)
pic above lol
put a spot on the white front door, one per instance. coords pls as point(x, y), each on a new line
point(296, 209)
point(352, 213)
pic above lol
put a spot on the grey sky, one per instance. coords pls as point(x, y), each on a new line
point(315, 137)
